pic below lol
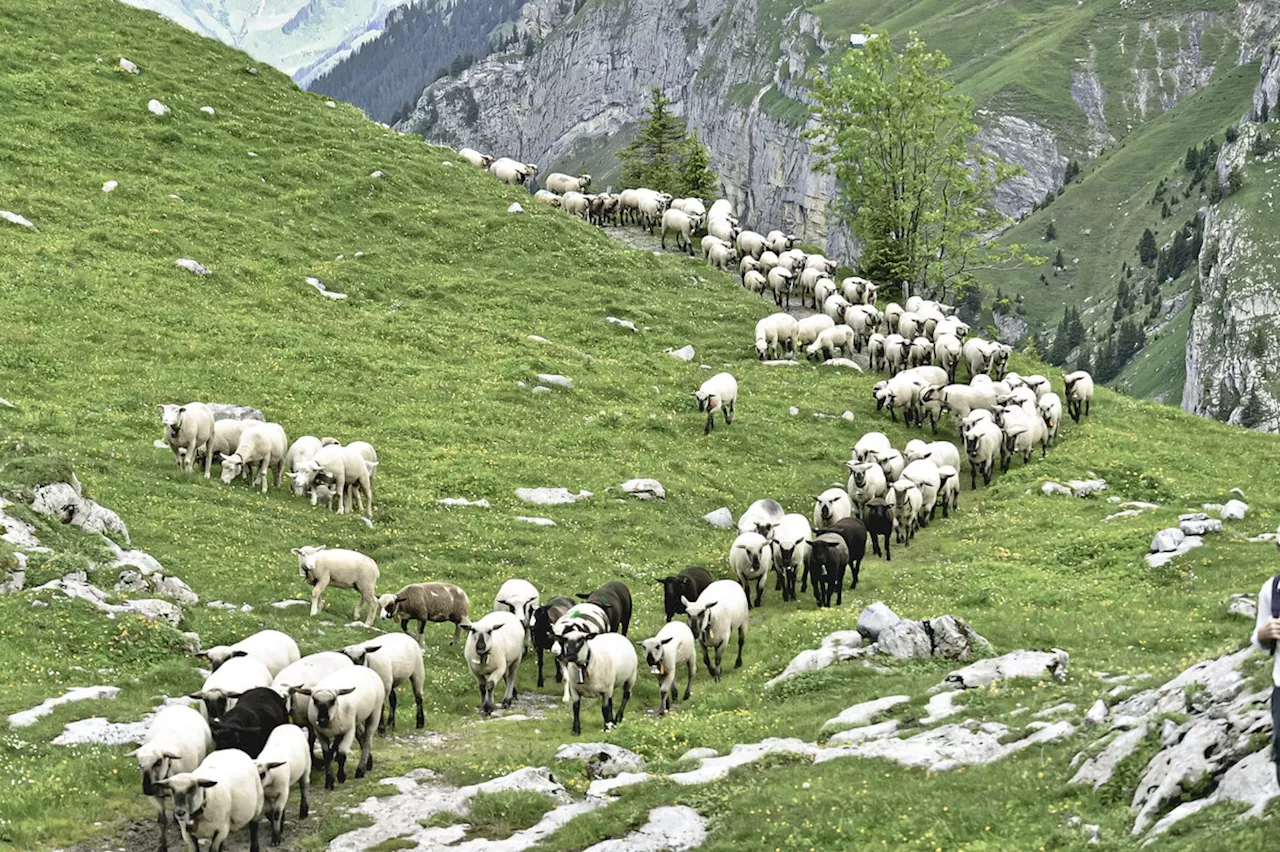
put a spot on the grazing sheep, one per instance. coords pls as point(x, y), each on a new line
point(880, 520)
point(949, 489)
point(938, 452)
point(232, 679)
point(1079, 393)
point(615, 599)
point(176, 742)
point(790, 547)
point(475, 158)
point(257, 713)
point(749, 242)
point(561, 183)
point(924, 473)
point(223, 794)
point(776, 336)
point(854, 533)
point(665, 653)
point(779, 281)
point(1050, 408)
point(722, 257)
point(262, 444)
point(689, 583)
point(830, 506)
point(495, 645)
point(542, 631)
point(982, 445)
point(594, 666)
point(718, 613)
point(548, 198)
point(345, 705)
point(871, 443)
point(226, 437)
point(188, 429)
point(826, 563)
point(396, 658)
point(866, 483)
point(347, 468)
point(718, 393)
point(423, 602)
point(750, 557)
point(754, 281)
point(907, 508)
point(307, 672)
point(832, 343)
point(808, 329)
point(300, 452)
point(679, 223)
point(285, 760)
point(519, 597)
point(342, 569)
point(273, 649)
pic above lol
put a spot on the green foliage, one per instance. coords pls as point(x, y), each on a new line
point(1050, 232)
point(1059, 262)
point(1232, 134)
point(1235, 180)
point(913, 186)
point(1072, 172)
point(1147, 250)
point(664, 156)
point(697, 180)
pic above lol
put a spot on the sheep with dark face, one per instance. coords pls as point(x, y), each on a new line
point(854, 533)
point(826, 562)
point(423, 602)
point(346, 705)
point(257, 713)
point(176, 742)
point(495, 645)
point(1079, 393)
point(761, 516)
point(223, 794)
point(543, 634)
point(866, 482)
point(188, 429)
point(596, 666)
point(790, 549)
point(615, 599)
point(689, 583)
point(879, 518)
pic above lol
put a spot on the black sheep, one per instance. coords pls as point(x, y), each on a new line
point(544, 618)
point(825, 562)
point(257, 713)
point(854, 533)
point(689, 583)
point(878, 516)
point(615, 599)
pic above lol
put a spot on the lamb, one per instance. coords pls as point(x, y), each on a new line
point(938, 452)
point(909, 325)
point(176, 742)
point(808, 329)
point(396, 658)
point(678, 222)
point(188, 429)
point(349, 470)
point(776, 336)
point(908, 503)
point(226, 437)
point(871, 443)
point(232, 679)
point(1079, 393)
point(1050, 408)
point(665, 653)
point(615, 599)
point(901, 391)
point(867, 482)
point(423, 602)
point(273, 649)
point(879, 518)
point(342, 569)
point(982, 445)
point(495, 645)
point(749, 242)
point(835, 341)
point(924, 473)
point(257, 713)
point(689, 583)
point(830, 506)
point(285, 760)
point(718, 613)
point(722, 257)
point(761, 516)
point(576, 204)
point(779, 241)
point(790, 547)
point(542, 631)
point(854, 533)
point(962, 400)
point(560, 183)
point(895, 353)
point(718, 393)
point(875, 351)
point(300, 452)
point(475, 158)
point(345, 705)
point(754, 281)
point(223, 794)
point(767, 260)
point(978, 355)
point(596, 666)
point(750, 557)
point(307, 672)
point(809, 280)
point(1038, 384)
point(949, 489)
point(828, 557)
point(710, 241)
point(780, 285)
point(519, 597)
point(548, 198)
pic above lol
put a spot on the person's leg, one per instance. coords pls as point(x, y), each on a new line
point(1275, 729)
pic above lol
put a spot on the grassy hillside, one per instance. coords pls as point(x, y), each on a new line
point(424, 360)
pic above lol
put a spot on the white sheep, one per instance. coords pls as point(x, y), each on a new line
point(1050, 408)
point(596, 666)
point(835, 307)
point(924, 473)
point(776, 336)
point(780, 285)
point(345, 705)
point(349, 470)
point(284, 761)
point(938, 452)
point(576, 204)
point(875, 351)
point(561, 183)
point(665, 653)
point(548, 198)
point(510, 171)
point(223, 794)
point(710, 241)
point(232, 679)
point(833, 342)
point(651, 205)
point(306, 673)
point(273, 649)
point(342, 569)
point(949, 491)
point(751, 556)
point(895, 353)
point(694, 207)
point(176, 742)
point(892, 313)
point(722, 257)
point(397, 658)
point(869, 443)
point(830, 506)
point(863, 319)
point(983, 443)
point(808, 329)
point(300, 452)
point(822, 291)
point(749, 242)
point(1079, 393)
point(920, 353)
point(188, 429)
point(262, 444)
point(761, 517)
point(908, 503)
point(520, 597)
point(791, 540)
point(808, 282)
point(475, 158)
point(867, 482)
point(721, 207)
point(718, 393)
point(891, 461)
point(719, 612)
point(946, 352)
point(1039, 384)
point(495, 645)
point(780, 241)
point(722, 227)
point(754, 281)
point(978, 355)
point(767, 260)
point(1023, 430)
point(226, 437)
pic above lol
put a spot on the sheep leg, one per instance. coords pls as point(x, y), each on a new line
point(457, 631)
point(626, 696)
point(304, 789)
point(510, 679)
point(343, 748)
point(577, 716)
point(344, 499)
point(688, 687)
point(316, 593)
point(486, 697)
point(366, 745)
point(888, 557)
point(391, 723)
point(711, 421)
point(706, 659)
point(253, 837)
point(217, 840)
point(275, 819)
point(804, 579)
point(759, 589)
point(370, 606)
point(208, 458)
point(420, 718)
point(163, 823)
point(330, 751)
point(856, 567)
point(664, 701)
point(540, 681)
point(606, 710)
point(719, 669)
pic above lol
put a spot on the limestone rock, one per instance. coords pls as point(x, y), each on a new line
point(1051, 488)
point(670, 827)
point(555, 379)
point(684, 353)
point(325, 291)
point(208, 110)
point(836, 647)
point(784, 362)
point(126, 65)
point(154, 609)
point(1251, 782)
point(1234, 510)
point(26, 718)
point(905, 640)
point(875, 619)
point(1200, 526)
point(1199, 753)
point(1087, 487)
point(1064, 707)
point(515, 207)
point(16, 219)
point(131, 582)
point(550, 496)
point(644, 489)
point(949, 746)
point(1030, 664)
point(940, 706)
point(1097, 714)
point(952, 638)
point(98, 731)
point(862, 734)
point(192, 266)
point(110, 186)
point(621, 323)
point(1190, 542)
point(1167, 541)
point(843, 362)
point(541, 522)
point(462, 501)
point(377, 174)
point(715, 768)
point(228, 411)
point(157, 108)
point(1097, 771)
point(611, 758)
point(1243, 605)
point(1127, 513)
point(861, 714)
point(721, 518)
point(699, 754)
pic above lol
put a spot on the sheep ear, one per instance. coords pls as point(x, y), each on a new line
point(347, 691)
point(239, 653)
point(583, 597)
point(198, 696)
point(160, 408)
point(276, 764)
point(207, 782)
point(666, 641)
point(202, 654)
point(368, 651)
point(467, 626)
point(301, 690)
point(169, 755)
point(685, 601)
point(297, 551)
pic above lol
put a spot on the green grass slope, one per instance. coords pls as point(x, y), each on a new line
point(423, 360)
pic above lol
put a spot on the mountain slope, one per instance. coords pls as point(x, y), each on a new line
point(424, 359)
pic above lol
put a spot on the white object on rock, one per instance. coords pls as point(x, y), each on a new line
point(192, 266)
point(1167, 541)
point(14, 218)
point(157, 108)
point(1234, 510)
point(110, 186)
point(462, 501)
point(44, 708)
point(515, 208)
point(684, 353)
point(550, 496)
point(1156, 560)
point(721, 518)
point(644, 489)
point(541, 522)
point(1029, 664)
point(627, 324)
point(323, 291)
point(126, 65)
point(555, 379)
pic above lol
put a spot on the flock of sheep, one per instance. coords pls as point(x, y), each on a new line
point(264, 706)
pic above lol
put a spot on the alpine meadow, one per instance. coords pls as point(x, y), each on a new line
point(351, 281)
